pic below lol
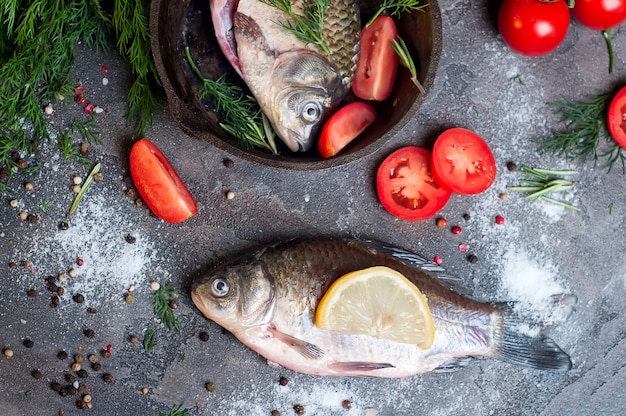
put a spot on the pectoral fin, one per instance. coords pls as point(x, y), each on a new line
point(308, 350)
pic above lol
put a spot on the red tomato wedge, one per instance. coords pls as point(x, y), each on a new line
point(378, 62)
point(462, 162)
point(159, 185)
point(406, 187)
point(344, 126)
point(616, 118)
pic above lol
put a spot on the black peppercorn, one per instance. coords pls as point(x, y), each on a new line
point(62, 355)
point(36, 374)
point(96, 366)
point(55, 386)
point(89, 333)
point(203, 336)
point(299, 409)
point(108, 378)
point(82, 373)
point(54, 302)
point(28, 343)
point(472, 258)
point(78, 298)
point(130, 239)
point(70, 378)
point(63, 226)
point(283, 381)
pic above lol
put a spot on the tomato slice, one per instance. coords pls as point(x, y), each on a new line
point(344, 126)
point(463, 162)
point(159, 185)
point(378, 62)
point(616, 118)
point(406, 187)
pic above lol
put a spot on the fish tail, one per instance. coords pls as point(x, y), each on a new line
point(538, 352)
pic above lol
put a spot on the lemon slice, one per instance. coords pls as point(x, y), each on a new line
point(380, 302)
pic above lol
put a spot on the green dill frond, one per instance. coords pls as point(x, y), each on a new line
point(161, 301)
point(149, 339)
point(308, 27)
point(397, 8)
point(177, 410)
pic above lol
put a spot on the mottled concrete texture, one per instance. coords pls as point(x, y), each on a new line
point(477, 87)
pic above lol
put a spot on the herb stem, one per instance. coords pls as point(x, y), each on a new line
point(83, 189)
point(609, 45)
point(549, 181)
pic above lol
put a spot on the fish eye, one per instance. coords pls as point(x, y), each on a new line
point(310, 111)
point(220, 287)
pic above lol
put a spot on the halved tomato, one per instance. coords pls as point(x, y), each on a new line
point(159, 185)
point(463, 162)
point(406, 187)
point(616, 118)
point(378, 62)
point(344, 126)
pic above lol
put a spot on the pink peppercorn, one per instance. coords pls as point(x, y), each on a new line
point(438, 260)
point(456, 230)
point(499, 219)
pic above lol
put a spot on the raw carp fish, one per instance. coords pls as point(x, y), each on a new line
point(267, 299)
point(296, 84)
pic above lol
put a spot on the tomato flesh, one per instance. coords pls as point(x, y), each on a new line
point(344, 126)
point(533, 27)
point(378, 62)
point(159, 185)
point(600, 14)
point(616, 118)
point(406, 187)
point(462, 162)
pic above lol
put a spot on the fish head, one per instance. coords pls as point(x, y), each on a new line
point(236, 296)
point(305, 88)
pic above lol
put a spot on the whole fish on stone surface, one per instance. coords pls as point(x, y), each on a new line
point(267, 299)
point(296, 84)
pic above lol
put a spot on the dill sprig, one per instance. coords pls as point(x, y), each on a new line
point(130, 22)
point(149, 339)
point(161, 301)
point(242, 116)
point(308, 27)
point(399, 46)
point(585, 130)
point(176, 410)
point(396, 8)
point(544, 182)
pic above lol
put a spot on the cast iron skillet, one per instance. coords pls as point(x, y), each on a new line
point(175, 24)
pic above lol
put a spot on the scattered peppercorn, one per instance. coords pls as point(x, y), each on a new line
point(32, 293)
point(441, 222)
point(299, 409)
point(511, 166)
point(36, 374)
point(456, 230)
point(54, 302)
point(228, 163)
point(438, 260)
point(155, 286)
point(130, 299)
point(13, 203)
point(138, 202)
point(28, 343)
point(80, 404)
point(76, 367)
point(80, 261)
point(28, 186)
point(87, 398)
point(22, 163)
point(144, 390)
point(55, 386)
point(472, 258)
point(502, 196)
point(499, 219)
point(466, 217)
point(26, 264)
point(91, 310)
point(131, 193)
point(134, 339)
point(130, 239)
point(23, 215)
point(72, 272)
point(12, 265)
point(83, 389)
point(82, 373)
point(62, 355)
point(98, 177)
point(93, 358)
point(108, 378)
point(32, 219)
point(275, 413)
point(203, 336)
point(96, 366)
point(70, 378)
point(78, 358)
point(283, 381)
point(346, 404)
point(52, 287)
point(105, 353)
point(230, 195)
point(78, 298)
point(210, 387)
point(63, 226)
point(84, 149)
point(63, 391)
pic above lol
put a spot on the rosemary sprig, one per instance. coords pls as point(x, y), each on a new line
point(398, 7)
point(242, 116)
point(585, 130)
point(161, 301)
point(149, 339)
point(545, 182)
point(176, 410)
point(308, 27)
point(399, 46)
point(83, 189)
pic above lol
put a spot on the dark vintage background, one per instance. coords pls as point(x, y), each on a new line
point(539, 251)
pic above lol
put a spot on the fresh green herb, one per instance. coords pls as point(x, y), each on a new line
point(242, 116)
point(149, 339)
point(161, 301)
point(308, 27)
point(517, 78)
point(177, 410)
point(585, 130)
point(610, 208)
point(83, 189)
point(397, 7)
point(45, 205)
point(545, 182)
point(130, 22)
point(399, 46)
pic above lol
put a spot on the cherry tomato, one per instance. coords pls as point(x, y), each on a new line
point(600, 14)
point(378, 62)
point(616, 118)
point(159, 185)
point(462, 162)
point(533, 27)
point(344, 126)
point(406, 187)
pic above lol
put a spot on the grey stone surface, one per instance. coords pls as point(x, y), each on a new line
point(578, 252)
